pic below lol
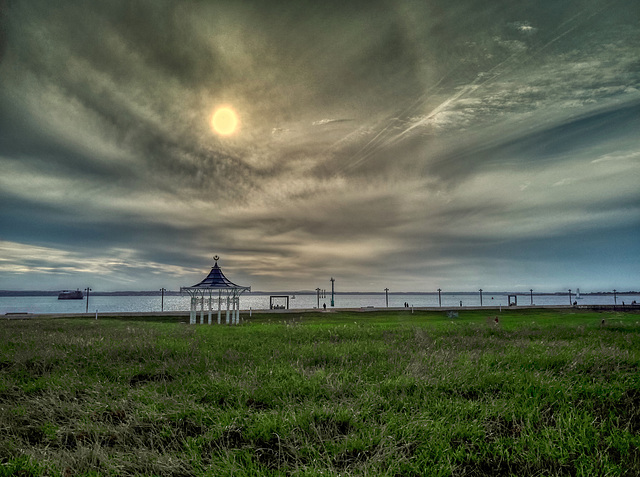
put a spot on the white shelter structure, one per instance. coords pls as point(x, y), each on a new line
point(215, 288)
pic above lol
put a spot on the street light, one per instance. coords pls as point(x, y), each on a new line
point(318, 293)
point(615, 299)
point(87, 290)
point(481, 297)
point(162, 290)
point(531, 290)
point(439, 297)
point(386, 295)
point(332, 290)
point(570, 296)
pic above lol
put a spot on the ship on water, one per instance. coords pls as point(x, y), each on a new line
point(70, 295)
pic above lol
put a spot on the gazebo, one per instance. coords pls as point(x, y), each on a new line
point(215, 284)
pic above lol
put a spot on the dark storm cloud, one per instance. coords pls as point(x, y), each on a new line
point(568, 138)
point(23, 141)
point(86, 60)
point(3, 32)
point(47, 225)
point(431, 133)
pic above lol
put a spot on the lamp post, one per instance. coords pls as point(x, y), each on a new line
point(439, 297)
point(162, 290)
point(386, 295)
point(318, 293)
point(531, 290)
point(87, 290)
point(332, 290)
point(615, 299)
point(481, 297)
point(569, 296)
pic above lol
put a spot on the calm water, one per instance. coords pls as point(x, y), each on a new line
point(50, 304)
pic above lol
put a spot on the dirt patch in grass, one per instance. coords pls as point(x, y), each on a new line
point(496, 466)
point(110, 416)
point(144, 378)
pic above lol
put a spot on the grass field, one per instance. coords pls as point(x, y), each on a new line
point(384, 393)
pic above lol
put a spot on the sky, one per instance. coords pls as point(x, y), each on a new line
point(409, 145)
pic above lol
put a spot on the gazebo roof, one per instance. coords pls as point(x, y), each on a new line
point(217, 280)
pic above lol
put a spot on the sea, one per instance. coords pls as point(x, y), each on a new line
point(138, 303)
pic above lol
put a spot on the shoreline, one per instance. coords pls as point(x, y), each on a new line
point(368, 309)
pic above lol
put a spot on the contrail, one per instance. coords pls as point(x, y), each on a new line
point(381, 141)
point(364, 154)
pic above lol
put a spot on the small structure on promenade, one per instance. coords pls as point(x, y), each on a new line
point(215, 288)
point(273, 305)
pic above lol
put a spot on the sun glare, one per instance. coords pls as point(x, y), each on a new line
point(224, 121)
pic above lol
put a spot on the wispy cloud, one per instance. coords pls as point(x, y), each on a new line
point(322, 122)
point(418, 142)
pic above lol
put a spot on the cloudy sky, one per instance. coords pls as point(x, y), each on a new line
point(413, 145)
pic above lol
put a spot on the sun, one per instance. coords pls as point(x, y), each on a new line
point(224, 121)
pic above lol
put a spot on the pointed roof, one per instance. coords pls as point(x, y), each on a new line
point(217, 280)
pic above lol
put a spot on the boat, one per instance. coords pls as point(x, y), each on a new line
point(578, 297)
point(70, 295)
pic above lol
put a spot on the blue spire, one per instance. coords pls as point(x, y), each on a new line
point(216, 278)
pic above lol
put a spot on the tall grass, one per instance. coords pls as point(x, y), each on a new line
point(538, 393)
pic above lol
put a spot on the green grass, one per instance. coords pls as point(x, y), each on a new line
point(385, 393)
